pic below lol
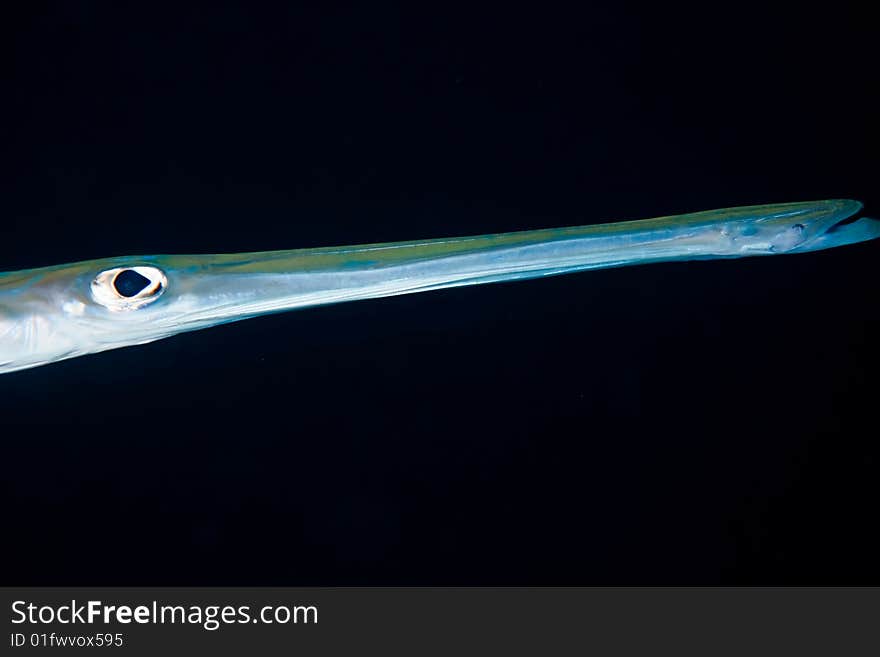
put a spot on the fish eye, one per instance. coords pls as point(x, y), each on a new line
point(128, 283)
point(128, 288)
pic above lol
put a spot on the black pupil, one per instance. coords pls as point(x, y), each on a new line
point(129, 283)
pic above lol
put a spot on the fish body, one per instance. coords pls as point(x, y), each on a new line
point(53, 313)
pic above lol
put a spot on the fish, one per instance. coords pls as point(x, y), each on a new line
point(53, 313)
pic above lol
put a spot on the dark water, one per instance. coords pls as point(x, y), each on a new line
point(692, 423)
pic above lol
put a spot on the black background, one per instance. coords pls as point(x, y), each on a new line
point(694, 423)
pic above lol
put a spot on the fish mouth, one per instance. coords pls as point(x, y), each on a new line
point(840, 226)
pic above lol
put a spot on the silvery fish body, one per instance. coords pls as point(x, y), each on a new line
point(53, 313)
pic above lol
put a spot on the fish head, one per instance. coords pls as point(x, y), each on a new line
point(795, 227)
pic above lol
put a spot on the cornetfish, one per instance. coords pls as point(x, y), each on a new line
point(53, 313)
